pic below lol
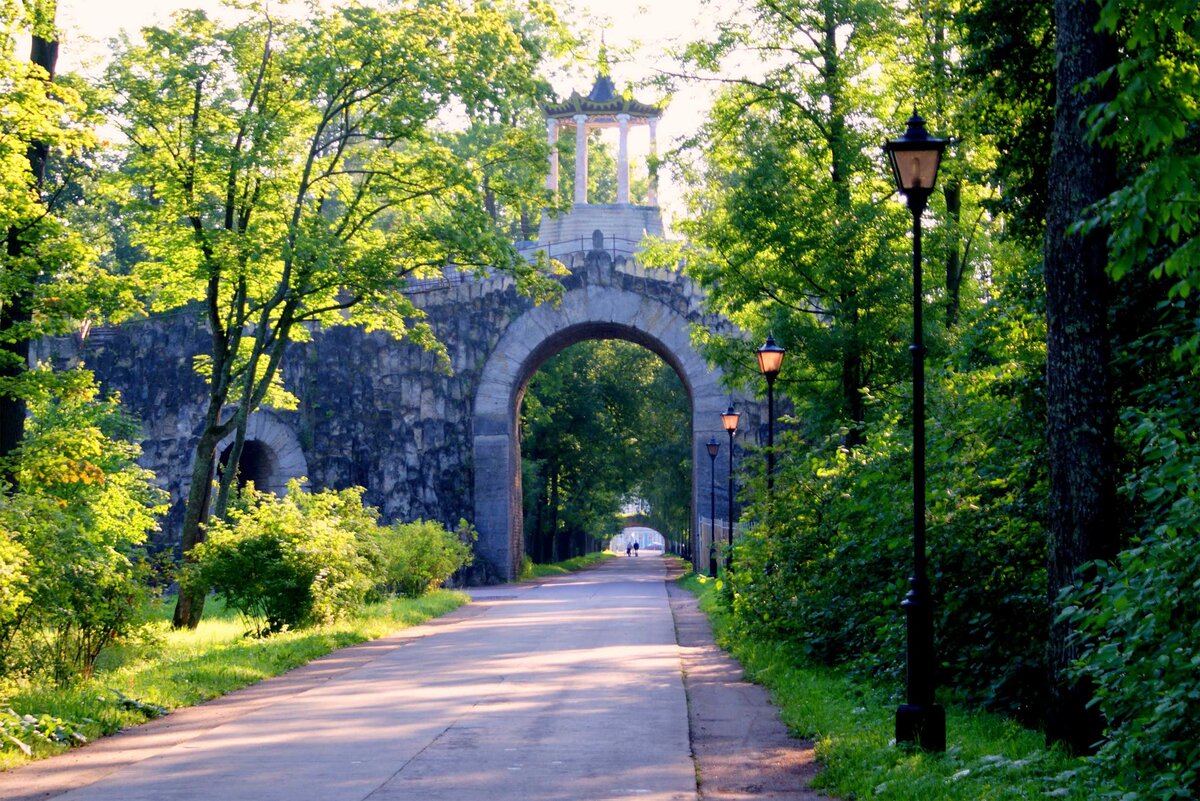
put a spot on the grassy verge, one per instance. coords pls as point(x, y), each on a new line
point(989, 758)
point(170, 669)
point(532, 571)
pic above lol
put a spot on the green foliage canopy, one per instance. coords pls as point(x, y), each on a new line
point(787, 229)
point(824, 567)
point(1153, 217)
point(793, 231)
point(50, 282)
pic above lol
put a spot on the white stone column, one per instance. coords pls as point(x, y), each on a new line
point(652, 191)
point(623, 159)
point(552, 139)
point(581, 159)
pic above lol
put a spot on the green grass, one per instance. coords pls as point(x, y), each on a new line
point(988, 757)
point(532, 571)
point(171, 669)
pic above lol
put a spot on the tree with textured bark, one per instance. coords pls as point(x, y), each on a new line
point(25, 182)
point(291, 175)
point(1079, 413)
point(1135, 621)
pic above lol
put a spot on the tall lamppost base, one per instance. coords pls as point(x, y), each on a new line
point(922, 725)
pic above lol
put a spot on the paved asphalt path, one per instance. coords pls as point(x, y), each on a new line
point(571, 689)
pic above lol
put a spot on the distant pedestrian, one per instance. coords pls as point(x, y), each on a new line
point(635, 547)
point(628, 549)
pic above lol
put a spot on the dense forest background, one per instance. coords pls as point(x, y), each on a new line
point(605, 427)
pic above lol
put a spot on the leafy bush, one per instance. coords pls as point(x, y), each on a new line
point(1139, 618)
point(13, 561)
point(418, 557)
point(988, 489)
point(23, 730)
point(81, 510)
point(991, 757)
point(289, 561)
point(822, 571)
point(827, 568)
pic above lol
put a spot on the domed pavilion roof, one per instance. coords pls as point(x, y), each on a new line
point(603, 103)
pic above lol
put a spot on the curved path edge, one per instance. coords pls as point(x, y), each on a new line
point(742, 749)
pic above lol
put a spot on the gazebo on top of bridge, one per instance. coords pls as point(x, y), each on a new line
point(603, 107)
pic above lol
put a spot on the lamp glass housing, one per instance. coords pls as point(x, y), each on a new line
point(770, 358)
point(915, 169)
point(713, 447)
point(915, 158)
point(729, 420)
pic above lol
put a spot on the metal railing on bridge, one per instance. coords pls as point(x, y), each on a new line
point(612, 245)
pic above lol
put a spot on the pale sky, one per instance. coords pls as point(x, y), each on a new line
point(649, 26)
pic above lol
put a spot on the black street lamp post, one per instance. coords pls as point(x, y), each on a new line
point(729, 421)
point(914, 159)
point(713, 447)
point(770, 360)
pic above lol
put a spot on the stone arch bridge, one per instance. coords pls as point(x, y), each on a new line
point(426, 444)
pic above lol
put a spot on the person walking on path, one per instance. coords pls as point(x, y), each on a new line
point(635, 547)
point(628, 549)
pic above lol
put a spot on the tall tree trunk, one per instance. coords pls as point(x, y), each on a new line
point(852, 375)
point(952, 192)
point(937, 17)
point(545, 522)
point(189, 606)
point(535, 540)
point(489, 200)
point(554, 513)
point(229, 470)
point(15, 311)
point(1079, 415)
point(841, 169)
point(526, 224)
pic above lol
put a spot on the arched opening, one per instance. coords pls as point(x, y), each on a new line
point(648, 540)
point(587, 312)
point(257, 464)
point(604, 427)
point(271, 455)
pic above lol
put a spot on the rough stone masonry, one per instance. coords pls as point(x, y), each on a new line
point(378, 413)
